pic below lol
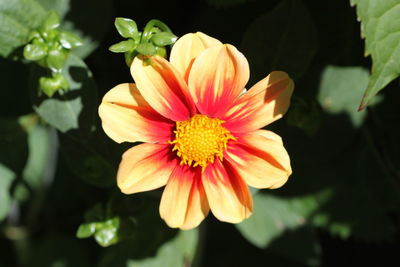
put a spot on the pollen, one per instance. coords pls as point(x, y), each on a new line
point(200, 140)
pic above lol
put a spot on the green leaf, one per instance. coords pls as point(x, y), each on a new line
point(178, 252)
point(86, 230)
point(60, 6)
point(340, 90)
point(7, 176)
point(51, 22)
point(282, 39)
point(273, 216)
point(147, 49)
point(127, 28)
point(17, 19)
point(124, 46)
point(163, 38)
point(380, 27)
point(74, 111)
point(35, 52)
point(69, 40)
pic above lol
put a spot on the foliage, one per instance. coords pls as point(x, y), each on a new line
point(59, 204)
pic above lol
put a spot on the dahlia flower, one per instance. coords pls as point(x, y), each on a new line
point(201, 131)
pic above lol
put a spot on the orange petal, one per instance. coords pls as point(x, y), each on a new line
point(265, 102)
point(261, 159)
point(228, 196)
point(198, 207)
point(126, 116)
point(183, 203)
point(217, 77)
point(187, 48)
point(163, 87)
point(145, 167)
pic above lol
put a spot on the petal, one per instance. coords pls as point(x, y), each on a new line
point(198, 207)
point(163, 87)
point(228, 196)
point(265, 102)
point(217, 77)
point(183, 203)
point(187, 48)
point(145, 167)
point(126, 116)
point(261, 159)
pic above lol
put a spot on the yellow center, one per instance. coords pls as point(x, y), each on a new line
point(200, 140)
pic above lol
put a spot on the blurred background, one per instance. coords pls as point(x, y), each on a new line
point(59, 205)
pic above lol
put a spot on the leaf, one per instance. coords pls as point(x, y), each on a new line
point(282, 39)
point(127, 28)
point(69, 40)
point(163, 38)
point(178, 252)
point(51, 22)
point(273, 216)
point(340, 90)
point(34, 52)
point(123, 46)
point(61, 6)
point(7, 176)
point(74, 111)
point(17, 19)
point(380, 27)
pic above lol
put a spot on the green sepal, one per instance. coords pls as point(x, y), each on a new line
point(127, 28)
point(51, 22)
point(124, 46)
point(69, 40)
point(56, 58)
point(35, 52)
point(163, 38)
point(161, 51)
point(129, 56)
point(147, 49)
point(50, 85)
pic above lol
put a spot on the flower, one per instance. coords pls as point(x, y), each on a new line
point(201, 133)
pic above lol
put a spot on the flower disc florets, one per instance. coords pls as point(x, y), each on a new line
point(200, 139)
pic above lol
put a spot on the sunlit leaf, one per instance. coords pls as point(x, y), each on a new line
point(340, 90)
point(7, 176)
point(273, 216)
point(17, 19)
point(380, 26)
point(177, 252)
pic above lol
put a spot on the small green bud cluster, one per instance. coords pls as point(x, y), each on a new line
point(152, 41)
point(49, 47)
